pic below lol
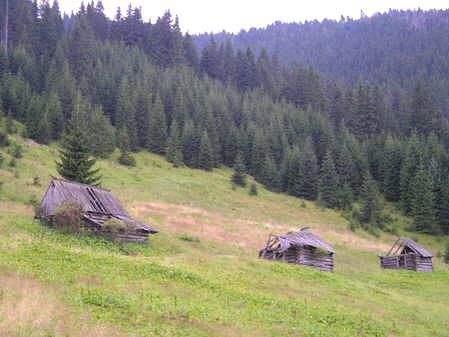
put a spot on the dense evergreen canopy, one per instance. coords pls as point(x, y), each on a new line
point(143, 86)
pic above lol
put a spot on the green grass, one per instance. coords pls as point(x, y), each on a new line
point(200, 275)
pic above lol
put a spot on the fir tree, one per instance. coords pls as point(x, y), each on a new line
point(442, 206)
point(205, 159)
point(422, 201)
point(328, 184)
point(239, 176)
point(158, 128)
point(371, 211)
point(253, 190)
point(310, 174)
point(75, 162)
point(174, 146)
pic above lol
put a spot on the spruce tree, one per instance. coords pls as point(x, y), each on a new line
point(442, 206)
point(422, 201)
point(328, 184)
point(206, 157)
point(126, 158)
point(75, 161)
point(174, 146)
point(310, 174)
point(239, 176)
point(158, 128)
point(371, 210)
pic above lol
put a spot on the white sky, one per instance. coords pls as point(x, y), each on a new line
point(198, 16)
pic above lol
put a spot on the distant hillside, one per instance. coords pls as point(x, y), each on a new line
point(392, 47)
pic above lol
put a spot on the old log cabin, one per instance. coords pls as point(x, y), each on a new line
point(407, 254)
point(302, 248)
point(99, 210)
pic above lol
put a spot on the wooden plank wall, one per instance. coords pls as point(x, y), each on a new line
point(407, 261)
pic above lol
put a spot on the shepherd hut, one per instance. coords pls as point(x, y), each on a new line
point(407, 254)
point(101, 211)
point(302, 247)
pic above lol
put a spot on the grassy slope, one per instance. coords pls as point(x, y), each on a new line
point(63, 285)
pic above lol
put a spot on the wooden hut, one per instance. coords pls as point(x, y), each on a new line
point(407, 254)
point(302, 247)
point(99, 209)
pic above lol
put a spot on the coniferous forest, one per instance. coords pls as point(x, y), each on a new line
point(336, 128)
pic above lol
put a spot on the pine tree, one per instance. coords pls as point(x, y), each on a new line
point(253, 190)
point(100, 134)
point(270, 176)
point(206, 157)
point(371, 210)
point(328, 184)
point(174, 146)
point(158, 128)
point(422, 201)
point(442, 207)
point(310, 174)
point(75, 162)
point(239, 176)
point(412, 160)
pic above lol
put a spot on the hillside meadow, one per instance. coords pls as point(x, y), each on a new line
point(200, 276)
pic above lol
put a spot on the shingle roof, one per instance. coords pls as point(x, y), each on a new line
point(94, 201)
point(303, 237)
point(418, 249)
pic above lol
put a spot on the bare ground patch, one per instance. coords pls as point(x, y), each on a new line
point(215, 226)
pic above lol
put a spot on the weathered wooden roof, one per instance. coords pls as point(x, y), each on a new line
point(303, 237)
point(94, 201)
point(404, 242)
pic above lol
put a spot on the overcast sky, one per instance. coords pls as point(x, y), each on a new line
point(198, 16)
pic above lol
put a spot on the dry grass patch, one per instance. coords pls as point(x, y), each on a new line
point(29, 308)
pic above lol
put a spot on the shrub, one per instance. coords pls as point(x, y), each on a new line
point(253, 190)
point(12, 162)
point(446, 254)
point(16, 151)
point(189, 238)
point(127, 159)
point(114, 226)
point(2, 159)
point(4, 140)
point(37, 181)
point(69, 217)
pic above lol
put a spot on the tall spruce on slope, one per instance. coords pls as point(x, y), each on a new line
point(158, 128)
point(328, 185)
point(239, 175)
point(75, 161)
point(422, 201)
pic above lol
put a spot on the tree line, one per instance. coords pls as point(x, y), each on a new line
point(142, 86)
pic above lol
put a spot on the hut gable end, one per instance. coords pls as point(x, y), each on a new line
point(407, 254)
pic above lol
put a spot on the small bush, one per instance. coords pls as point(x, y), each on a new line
point(114, 226)
point(33, 200)
point(189, 238)
point(16, 151)
point(69, 217)
point(12, 162)
point(36, 181)
point(446, 254)
point(2, 159)
point(253, 190)
point(4, 140)
point(127, 159)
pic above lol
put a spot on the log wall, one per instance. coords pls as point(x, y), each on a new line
point(302, 256)
point(408, 262)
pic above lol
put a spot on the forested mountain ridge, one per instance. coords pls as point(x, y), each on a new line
point(393, 48)
point(399, 41)
point(142, 85)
